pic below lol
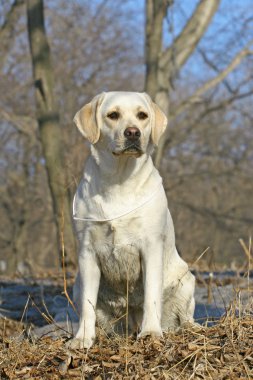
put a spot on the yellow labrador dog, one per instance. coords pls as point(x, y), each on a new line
point(127, 254)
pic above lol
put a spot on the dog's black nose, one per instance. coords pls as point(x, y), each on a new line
point(132, 133)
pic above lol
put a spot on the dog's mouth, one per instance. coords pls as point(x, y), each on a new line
point(132, 149)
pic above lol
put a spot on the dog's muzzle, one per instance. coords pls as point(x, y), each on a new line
point(132, 141)
point(132, 144)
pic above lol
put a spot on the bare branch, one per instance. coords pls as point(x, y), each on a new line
point(188, 39)
point(6, 30)
point(10, 18)
point(216, 215)
point(212, 83)
point(215, 68)
point(24, 124)
point(226, 102)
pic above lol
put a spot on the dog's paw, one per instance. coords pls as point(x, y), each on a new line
point(78, 344)
point(150, 332)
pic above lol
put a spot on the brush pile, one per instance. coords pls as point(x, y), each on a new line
point(222, 351)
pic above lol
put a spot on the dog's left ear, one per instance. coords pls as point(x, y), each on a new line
point(86, 119)
point(159, 123)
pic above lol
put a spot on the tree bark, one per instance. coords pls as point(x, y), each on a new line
point(155, 13)
point(49, 126)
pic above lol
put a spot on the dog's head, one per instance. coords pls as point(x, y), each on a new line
point(126, 123)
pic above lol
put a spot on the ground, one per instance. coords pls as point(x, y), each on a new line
point(33, 335)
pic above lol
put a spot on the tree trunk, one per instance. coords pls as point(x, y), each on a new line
point(163, 64)
point(49, 126)
point(155, 13)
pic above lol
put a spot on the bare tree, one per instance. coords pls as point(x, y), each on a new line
point(49, 126)
point(28, 236)
point(203, 154)
point(163, 65)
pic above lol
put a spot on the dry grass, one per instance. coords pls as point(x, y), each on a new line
point(223, 351)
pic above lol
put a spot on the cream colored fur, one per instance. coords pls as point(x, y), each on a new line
point(136, 251)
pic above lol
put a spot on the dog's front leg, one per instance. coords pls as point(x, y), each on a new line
point(152, 262)
point(89, 278)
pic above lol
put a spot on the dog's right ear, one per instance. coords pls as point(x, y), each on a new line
point(86, 119)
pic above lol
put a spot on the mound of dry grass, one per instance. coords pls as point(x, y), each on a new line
point(222, 351)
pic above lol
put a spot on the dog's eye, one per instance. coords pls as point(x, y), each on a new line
point(113, 115)
point(142, 115)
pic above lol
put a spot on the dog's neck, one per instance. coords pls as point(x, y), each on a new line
point(110, 170)
point(114, 186)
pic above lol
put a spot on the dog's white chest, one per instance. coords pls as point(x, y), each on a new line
point(119, 258)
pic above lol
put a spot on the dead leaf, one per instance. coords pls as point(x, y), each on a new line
point(116, 358)
point(193, 347)
point(110, 365)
